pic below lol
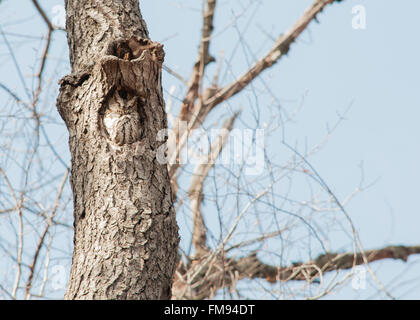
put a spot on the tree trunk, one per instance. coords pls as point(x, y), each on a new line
point(126, 237)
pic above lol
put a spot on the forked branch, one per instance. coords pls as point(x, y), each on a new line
point(280, 48)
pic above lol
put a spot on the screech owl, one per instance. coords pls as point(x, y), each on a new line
point(121, 120)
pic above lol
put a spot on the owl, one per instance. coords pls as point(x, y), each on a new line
point(121, 120)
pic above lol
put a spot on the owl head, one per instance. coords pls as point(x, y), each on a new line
point(121, 104)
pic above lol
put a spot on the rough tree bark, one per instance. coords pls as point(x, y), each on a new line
point(126, 236)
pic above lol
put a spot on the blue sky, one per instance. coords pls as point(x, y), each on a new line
point(332, 67)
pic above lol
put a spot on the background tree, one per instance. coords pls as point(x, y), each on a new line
point(235, 226)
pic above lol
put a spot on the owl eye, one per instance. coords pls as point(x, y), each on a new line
point(122, 93)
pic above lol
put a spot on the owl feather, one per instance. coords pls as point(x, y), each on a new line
point(122, 121)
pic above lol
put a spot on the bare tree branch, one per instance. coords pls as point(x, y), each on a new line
point(194, 86)
point(13, 95)
point(251, 267)
point(44, 55)
point(43, 14)
point(43, 235)
point(201, 172)
point(280, 48)
point(325, 263)
point(18, 205)
point(204, 58)
point(196, 115)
